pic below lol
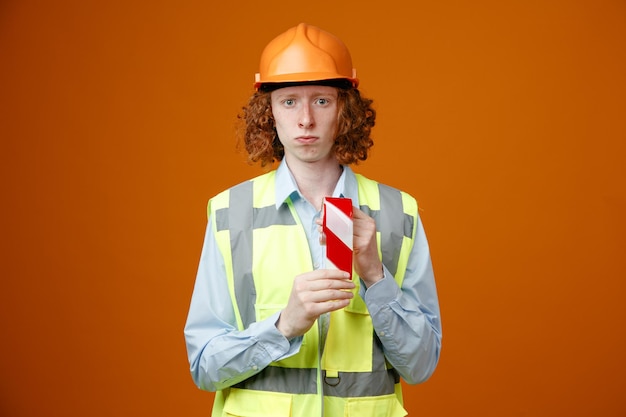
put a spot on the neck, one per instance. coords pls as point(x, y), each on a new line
point(316, 181)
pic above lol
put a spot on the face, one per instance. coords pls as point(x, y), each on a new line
point(306, 122)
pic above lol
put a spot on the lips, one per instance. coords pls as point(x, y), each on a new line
point(306, 139)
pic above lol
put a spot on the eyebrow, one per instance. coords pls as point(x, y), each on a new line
point(313, 93)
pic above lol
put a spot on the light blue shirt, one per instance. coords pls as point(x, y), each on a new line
point(405, 319)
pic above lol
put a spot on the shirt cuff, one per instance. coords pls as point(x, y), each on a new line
point(380, 294)
point(276, 345)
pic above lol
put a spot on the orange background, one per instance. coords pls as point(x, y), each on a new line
point(507, 120)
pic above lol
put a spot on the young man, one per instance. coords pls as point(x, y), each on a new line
point(270, 328)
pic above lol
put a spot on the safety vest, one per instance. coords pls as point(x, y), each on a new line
point(264, 248)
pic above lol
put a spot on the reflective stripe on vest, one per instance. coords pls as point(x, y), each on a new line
point(240, 218)
point(303, 381)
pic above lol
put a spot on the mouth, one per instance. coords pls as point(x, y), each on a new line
point(306, 139)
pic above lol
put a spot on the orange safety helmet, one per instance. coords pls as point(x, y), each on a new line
point(302, 54)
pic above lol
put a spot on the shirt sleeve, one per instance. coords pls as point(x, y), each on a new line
point(219, 354)
point(406, 319)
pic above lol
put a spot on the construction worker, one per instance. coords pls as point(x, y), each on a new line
point(272, 329)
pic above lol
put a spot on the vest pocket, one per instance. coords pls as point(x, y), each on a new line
point(383, 406)
point(264, 311)
point(349, 345)
point(249, 403)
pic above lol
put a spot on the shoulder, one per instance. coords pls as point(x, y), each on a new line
point(369, 186)
point(222, 199)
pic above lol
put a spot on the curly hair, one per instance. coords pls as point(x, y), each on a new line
point(356, 118)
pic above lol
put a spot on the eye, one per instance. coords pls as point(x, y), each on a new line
point(289, 102)
point(322, 101)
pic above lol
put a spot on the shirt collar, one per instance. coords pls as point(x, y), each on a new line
point(286, 185)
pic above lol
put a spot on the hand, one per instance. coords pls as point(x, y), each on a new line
point(313, 294)
point(367, 263)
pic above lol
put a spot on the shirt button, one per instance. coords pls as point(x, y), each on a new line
point(382, 334)
point(254, 367)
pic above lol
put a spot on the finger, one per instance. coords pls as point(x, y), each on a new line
point(364, 226)
point(325, 296)
point(317, 309)
point(319, 274)
point(336, 305)
point(357, 213)
point(330, 285)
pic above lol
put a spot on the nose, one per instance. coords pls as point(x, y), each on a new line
point(305, 119)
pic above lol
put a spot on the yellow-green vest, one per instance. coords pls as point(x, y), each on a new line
point(264, 248)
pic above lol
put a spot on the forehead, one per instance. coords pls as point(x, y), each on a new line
point(305, 91)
